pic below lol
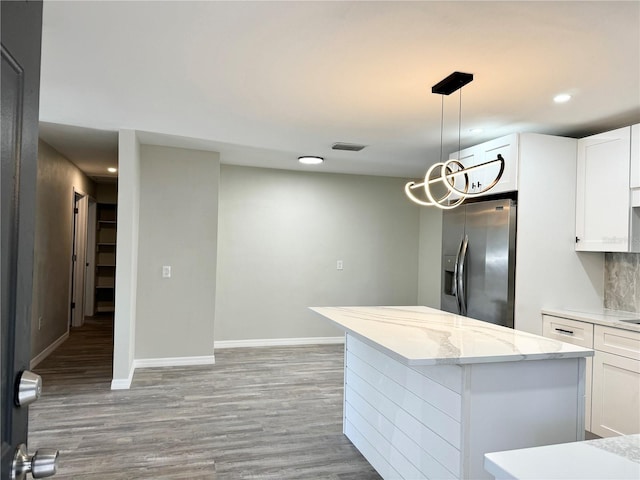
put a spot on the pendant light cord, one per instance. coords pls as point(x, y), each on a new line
point(459, 120)
point(441, 123)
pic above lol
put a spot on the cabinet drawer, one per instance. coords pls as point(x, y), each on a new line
point(566, 330)
point(617, 341)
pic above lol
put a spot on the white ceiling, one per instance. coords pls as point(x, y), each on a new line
point(264, 82)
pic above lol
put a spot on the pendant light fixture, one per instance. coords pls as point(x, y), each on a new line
point(452, 174)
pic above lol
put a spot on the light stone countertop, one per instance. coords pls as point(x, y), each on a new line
point(605, 458)
point(425, 336)
point(608, 318)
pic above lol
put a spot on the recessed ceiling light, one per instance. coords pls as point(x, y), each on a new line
point(112, 170)
point(562, 98)
point(310, 160)
point(476, 130)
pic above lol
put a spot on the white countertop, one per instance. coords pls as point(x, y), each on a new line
point(609, 318)
point(605, 458)
point(426, 336)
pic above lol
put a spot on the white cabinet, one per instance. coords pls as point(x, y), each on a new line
point(577, 333)
point(616, 382)
point(478, 179)
point(635, 166)
point(603, 196)
point(612, 387)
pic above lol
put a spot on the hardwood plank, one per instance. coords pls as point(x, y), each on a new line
point(258, 413)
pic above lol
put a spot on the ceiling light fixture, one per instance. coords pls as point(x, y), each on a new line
point(310, 160)
point(450, 173)
point(562, 98)
point(112, 170)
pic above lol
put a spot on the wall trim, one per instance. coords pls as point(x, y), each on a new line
point(49, 350)
point(123, 383)
point(173, 361)
point(277, 342)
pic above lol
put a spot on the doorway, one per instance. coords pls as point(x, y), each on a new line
point(79, 264)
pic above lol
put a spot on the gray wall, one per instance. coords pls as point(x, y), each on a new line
point(622, 281)
point(57, 178)
point(178, 227)
point(280, 236)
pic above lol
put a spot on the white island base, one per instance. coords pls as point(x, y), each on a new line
point(435, 417)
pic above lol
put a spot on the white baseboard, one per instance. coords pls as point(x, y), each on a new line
point(173, 361)
point(277, 342)
point(48, 351)
point(123, 383)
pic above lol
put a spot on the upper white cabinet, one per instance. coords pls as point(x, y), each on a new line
point(635, 166)
point(604, 217)
point(479, 179)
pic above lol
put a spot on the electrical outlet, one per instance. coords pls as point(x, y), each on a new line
point(339, 265)
point(166, 271)
point(39, 323)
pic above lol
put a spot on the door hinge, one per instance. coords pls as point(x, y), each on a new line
point(75, 210)
point(577, 239)
point(73, 305)
point(74, 257)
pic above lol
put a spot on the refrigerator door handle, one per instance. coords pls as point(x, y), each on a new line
point(454, 289)
point(461, 277)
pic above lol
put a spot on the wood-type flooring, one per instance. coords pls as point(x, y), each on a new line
point(258, 413)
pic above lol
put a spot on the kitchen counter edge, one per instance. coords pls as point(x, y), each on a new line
point(605, 317)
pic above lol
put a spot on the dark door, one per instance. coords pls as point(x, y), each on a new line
point(21, 36)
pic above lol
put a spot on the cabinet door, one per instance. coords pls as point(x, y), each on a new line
point(485, 152)
point(468, 157)
point(508, 148)
point(615, 395)
point(602, 192)
point(634, 183)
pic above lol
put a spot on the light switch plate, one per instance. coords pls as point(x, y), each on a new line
point(166, 271)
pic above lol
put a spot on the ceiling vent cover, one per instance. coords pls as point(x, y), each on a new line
point(350, 147)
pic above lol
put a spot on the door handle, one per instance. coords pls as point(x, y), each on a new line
point(43, 463)
point(461, 276)
point(454, 289)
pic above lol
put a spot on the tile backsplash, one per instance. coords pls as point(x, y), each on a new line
point(622, 281)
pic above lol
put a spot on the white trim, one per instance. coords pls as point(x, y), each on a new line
point(173, 361)
point(123, 383)
point(49, 350)
point(277, 342)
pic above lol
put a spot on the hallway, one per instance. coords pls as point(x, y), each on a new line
point(258, 413)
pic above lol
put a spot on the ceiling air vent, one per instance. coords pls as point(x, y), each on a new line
point(350, 147)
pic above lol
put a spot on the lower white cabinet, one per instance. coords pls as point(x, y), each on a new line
point(612, 387)
point(616, 382)
point(576, 333)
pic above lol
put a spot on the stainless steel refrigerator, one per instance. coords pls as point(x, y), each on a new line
point(478, 260)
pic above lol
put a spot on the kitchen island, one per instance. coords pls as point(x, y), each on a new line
point(428, 393)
